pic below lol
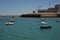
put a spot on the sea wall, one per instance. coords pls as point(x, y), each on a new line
point(41, 16)
point(31, 15)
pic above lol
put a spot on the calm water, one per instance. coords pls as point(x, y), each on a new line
point(29, 29)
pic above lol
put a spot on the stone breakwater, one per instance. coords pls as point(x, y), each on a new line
point(41, 15)
point(30, 15)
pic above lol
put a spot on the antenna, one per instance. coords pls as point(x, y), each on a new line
point(39, 7)
point(49, 4)
point(36, 7)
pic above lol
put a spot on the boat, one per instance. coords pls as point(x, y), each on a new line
point(11, 22)
point(57, 21)
point(44, 25)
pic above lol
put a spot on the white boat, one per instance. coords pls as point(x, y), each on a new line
point(11, 22)
point(44, 25)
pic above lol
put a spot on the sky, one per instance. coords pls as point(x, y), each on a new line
point(18, 7)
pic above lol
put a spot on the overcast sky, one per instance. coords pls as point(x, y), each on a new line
point(17, 7)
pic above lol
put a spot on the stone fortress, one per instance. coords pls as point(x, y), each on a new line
point(50, 12)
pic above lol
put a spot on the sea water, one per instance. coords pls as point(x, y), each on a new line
point(29, 29)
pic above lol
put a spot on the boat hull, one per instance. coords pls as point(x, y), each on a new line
point(45, 27)
point(9, 23)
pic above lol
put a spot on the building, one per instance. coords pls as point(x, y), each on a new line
point(57, 7)
point(53, 10)
point(50, 12)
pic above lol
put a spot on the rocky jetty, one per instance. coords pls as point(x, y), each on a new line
point(31, 15)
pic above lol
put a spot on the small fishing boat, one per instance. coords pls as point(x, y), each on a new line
point(44, 25)
point(11, 22)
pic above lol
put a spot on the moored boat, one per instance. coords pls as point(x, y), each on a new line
point(11, 22)
point(44, 25)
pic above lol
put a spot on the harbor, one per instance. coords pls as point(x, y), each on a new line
point(29, 19)
point(43, 13)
